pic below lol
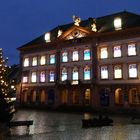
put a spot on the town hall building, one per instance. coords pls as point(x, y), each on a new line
point(87, 63)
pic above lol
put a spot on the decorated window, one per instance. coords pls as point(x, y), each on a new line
point(64, 74)
point(75, 56)
point(104, 72)
point(52, 59)
point(25, 79)
point(51, 78)
point(43, 60)
point(133, 71)
point(131, 49)
point(34, 61)
point(103, 53)
point(42, 76)
point(117, 72)
point(87, 73)
point(117, 51)
point(75, 73)
point(87, 54)
point(33, 77)
point(64, 57)
point(26, 62)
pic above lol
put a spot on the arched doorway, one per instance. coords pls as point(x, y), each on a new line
point(64, 96)
point(118, 96)
point(51, 97)
point(87, 97)
point(32, 96)
point(24, 96)
point(75, 97)
point(42, 96)
point(134, 96)
point(104, 97)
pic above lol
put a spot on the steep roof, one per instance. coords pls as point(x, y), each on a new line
point(103, 24)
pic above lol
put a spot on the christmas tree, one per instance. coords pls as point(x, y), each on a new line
point(6, 104)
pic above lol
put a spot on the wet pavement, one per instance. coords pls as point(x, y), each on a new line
point(68, 126)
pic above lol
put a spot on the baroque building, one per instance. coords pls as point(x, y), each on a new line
point(91, 63)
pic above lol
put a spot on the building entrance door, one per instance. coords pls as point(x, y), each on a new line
point(51, 97)
point(87, 97)
point(64, 96)
point(104, 97)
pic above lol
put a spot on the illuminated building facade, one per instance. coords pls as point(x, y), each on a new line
point(91, 63)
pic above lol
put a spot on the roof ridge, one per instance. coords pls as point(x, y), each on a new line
point(117, 13)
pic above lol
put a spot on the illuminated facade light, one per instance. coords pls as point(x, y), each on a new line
point(59, 33)
point(76, 20)
point(118, 23)
point(47, 37)
point(12, 86)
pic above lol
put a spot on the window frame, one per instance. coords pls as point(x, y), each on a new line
point(105, 47)
point(36, 61)
point(75, 68)
point(89, 54)
point(40, 76)
point(64, 74)
point(120, 51)
point(129, 70)
point(114, 71)
point(26, 62)
point(53, 76)
point(50, 59)
point(89, 69)
point(63, 56)
point(129, 55)
point(103, 66)
point(42, 60)
point(73, 59)
point(32, 77)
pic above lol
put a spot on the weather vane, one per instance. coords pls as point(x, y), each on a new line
point(77, 20)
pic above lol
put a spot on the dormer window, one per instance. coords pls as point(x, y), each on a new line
point(118, 23)
point(47, 37)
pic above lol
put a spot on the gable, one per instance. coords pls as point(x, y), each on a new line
point(76, 32)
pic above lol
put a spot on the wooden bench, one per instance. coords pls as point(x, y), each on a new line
point(21, 123)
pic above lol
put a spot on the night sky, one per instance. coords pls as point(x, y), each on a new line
point(23, 20)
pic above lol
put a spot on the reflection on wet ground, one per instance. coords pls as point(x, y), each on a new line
point(66, 126)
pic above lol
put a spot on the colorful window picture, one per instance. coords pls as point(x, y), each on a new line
point(117, 72)
point(64, 57)
point(103, 53)
point(64, 74)
point(42, 76)
point(75, 74)
point(131, 49)
point(51, 78)
point(87, 73)
point(133, 71)
point(117, 51)
point(52, 59)
point(75, 56)
point(87, 54)
point(104, 72)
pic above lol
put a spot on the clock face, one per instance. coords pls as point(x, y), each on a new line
point(75, 33)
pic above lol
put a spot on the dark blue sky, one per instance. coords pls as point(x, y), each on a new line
point(23, 20)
